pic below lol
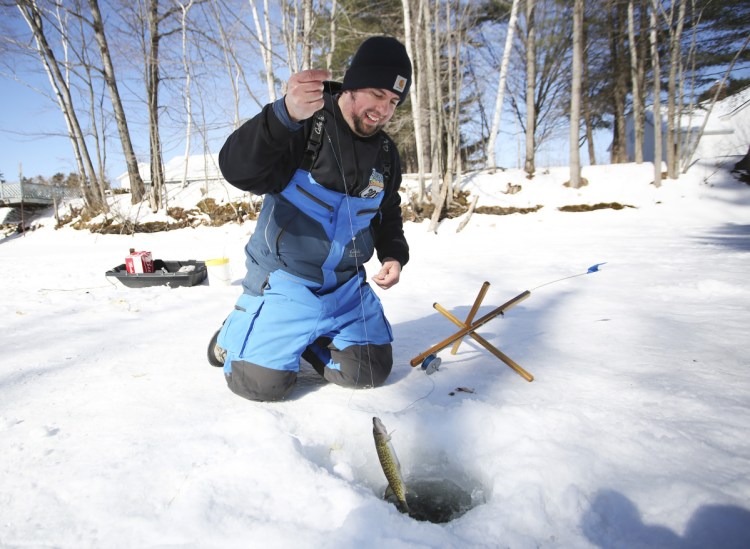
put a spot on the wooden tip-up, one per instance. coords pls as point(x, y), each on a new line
point(469, 327)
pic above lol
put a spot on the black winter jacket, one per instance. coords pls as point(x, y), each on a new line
point(263, 154)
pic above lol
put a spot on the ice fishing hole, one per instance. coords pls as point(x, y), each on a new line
point(440, 499)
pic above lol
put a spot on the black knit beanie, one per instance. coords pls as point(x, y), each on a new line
point(380, 62)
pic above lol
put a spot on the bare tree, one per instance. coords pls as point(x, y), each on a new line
point(433, 89)
point(332, 33)
point(416, 107)
point(307, 30)
point(637, 87)
point(529, 165)
point(151, 25)
point(617, 18)
point(137, 187)
point(450, 25)
point(185, 9)
point(657, 118)
point(86, 73)
point(465, 20)
point(231, 64)
point(675, 37)
point(575, 95)
point(33, 16)
point(439, 187)
point(266, 45)
point(588, 117)
point(497, 116)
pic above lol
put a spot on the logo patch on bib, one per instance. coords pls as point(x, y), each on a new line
point(375, 185)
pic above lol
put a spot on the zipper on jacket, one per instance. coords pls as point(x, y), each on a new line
point(370, 211)
point(317, 201)
point(278, 246)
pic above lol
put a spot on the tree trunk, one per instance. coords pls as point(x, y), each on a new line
point(423, 94)
point(137, 188)
point(644, 53)
point(264, 40)
point(620, 88)
point(439, 202)
point(470, 211)
point(529, 166)
point(231, 65)
point(433, 107)
point(585, 102)
point(438, 192)
point(185, 8)
point(290, 26)
point(31, 14)
point(463, 22)
point(637, 90)
point(499, 97)
point(307, 28)
point(452, 48)
point(692, 62)
point(657, 94)
point(575, 95)
point(332, 37)
point(99, 140)
point(268, 53)
point(416, 108)
point(152, 91)
point(675, 35)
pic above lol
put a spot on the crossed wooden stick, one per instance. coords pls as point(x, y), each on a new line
point(469, 328)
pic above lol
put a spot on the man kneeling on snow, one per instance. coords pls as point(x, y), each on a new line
point(330, 178)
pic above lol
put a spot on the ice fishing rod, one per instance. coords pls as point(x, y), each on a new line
point(431, 362)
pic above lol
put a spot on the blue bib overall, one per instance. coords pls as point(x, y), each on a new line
point(305, 281)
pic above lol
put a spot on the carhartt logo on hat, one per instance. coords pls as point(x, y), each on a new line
point(380, 62)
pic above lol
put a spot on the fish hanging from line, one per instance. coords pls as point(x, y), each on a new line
point(389, 463)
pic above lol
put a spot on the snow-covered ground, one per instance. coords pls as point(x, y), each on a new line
point(115, 432)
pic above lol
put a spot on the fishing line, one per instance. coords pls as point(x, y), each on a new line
point(592, 269)
point(412, 403)
point(339, 158)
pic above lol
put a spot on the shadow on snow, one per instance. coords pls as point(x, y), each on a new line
point(613, 521)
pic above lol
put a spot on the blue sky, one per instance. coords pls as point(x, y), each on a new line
point(25, 118)
point(28, 118)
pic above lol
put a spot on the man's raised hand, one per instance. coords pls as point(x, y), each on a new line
point(304, 94)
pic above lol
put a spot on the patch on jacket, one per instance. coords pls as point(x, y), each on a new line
point(375, 186)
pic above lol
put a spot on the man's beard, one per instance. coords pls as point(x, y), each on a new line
point(363, 129)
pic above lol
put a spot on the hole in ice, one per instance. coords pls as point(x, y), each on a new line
point(440, 499)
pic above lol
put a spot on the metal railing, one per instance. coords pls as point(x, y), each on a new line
point(34, 193)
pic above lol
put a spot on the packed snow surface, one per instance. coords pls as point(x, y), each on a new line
point(115, 431)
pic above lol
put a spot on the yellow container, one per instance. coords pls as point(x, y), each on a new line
point(219, 273)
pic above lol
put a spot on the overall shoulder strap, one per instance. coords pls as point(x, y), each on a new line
point(385, 155)
point(314, 142)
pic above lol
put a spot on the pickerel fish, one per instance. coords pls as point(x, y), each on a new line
point(389, 463)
